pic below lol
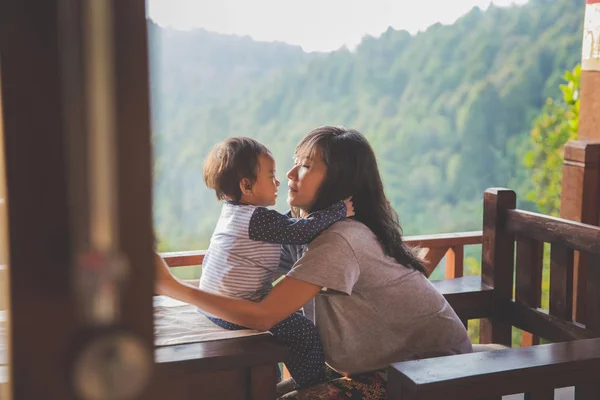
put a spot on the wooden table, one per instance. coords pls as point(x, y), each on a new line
point(232, 369)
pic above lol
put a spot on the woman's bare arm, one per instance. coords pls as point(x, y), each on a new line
point(287, 297)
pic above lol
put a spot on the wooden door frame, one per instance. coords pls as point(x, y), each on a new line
point(44, 324)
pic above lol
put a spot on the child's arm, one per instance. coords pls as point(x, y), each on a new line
point(270, 226)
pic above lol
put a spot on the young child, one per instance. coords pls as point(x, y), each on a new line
point(244, 250)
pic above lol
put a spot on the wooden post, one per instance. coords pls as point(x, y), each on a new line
point(580, 199)
point(37, 122)
point(589, 118)
point(497, 260)
point(40, 294)
point(580, 202)
point(4, 377)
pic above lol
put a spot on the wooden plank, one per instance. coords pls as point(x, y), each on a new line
point(593, 293)
point(444, 239)
point(541, 324)
point(134, 164)
point(394, 389)
point(587, 391)
point(528, 282)
point(3, 226)
point(220, 354)
point(218, 365)
point(223, 384)
point(431, 257)
point(579, 202)
point(37, 121)
point(580, 277)
point(530, 254)
point(497, 261)
point(39, 249)
point(463, 285)
point(455, 262)
point(3, 283)
point(184, 258)
point(542, 394)
point(472, 305)
point(263, 381)
point(561, 281)
point(495, 373)
point(469, 297)
point(529, 339)
point(544, 228)
point(589, 117)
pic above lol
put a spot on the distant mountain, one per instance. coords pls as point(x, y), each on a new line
point(447, 110)
point(199, 67)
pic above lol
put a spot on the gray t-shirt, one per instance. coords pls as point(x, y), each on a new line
point(374, 311)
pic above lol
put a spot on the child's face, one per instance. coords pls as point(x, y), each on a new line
point(264, 190)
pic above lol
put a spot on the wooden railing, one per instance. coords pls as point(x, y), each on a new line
point(432, 249)
point(510, 296)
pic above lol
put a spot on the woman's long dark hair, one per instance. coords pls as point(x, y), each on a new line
point(352, 171)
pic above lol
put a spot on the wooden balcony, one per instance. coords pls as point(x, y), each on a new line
point(512, 249)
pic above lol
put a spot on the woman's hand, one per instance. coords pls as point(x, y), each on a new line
point(349, 207)
point(286, 298)
point(164, 278)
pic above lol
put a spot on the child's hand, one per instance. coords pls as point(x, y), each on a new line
point(349, 207)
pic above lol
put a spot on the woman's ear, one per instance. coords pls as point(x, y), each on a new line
point(246, 186)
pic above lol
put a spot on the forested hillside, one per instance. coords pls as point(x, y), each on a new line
point(448, 110)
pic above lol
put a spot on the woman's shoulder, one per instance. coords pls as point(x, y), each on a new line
point(352, 231)
point(350, 226)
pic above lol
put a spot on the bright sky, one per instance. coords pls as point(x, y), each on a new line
point(321, 25)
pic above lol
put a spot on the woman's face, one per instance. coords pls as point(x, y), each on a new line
point(305, 179)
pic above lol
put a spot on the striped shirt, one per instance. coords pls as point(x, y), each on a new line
point(244, 250)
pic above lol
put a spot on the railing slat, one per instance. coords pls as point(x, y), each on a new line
point(432, 256)
point(455, 262)
point(540, 323)
point(530, 255)
point(561, 281)
point(593, 293)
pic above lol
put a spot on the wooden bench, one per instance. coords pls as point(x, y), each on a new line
point(500, 372)
point(536, 370)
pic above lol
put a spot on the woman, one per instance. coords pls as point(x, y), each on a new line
point(375, 305)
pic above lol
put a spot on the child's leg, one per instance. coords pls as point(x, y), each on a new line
point(306, 362)
point(226, 325)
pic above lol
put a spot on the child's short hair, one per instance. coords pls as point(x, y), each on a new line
point(229, 162)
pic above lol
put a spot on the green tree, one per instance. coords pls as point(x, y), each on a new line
point(556, 124)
